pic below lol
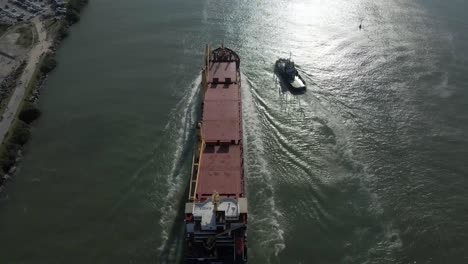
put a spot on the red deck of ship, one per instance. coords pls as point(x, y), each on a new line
point(221, 160)
point(220, 171)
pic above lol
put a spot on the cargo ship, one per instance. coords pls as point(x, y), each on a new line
point(216, 211)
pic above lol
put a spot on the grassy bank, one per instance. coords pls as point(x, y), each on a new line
point(3, 28)
point(77, 5)
point(19, 132)
point(18, 136)
point(61, 28)
point(74, 8)
point(26, 37)
point(8, 84)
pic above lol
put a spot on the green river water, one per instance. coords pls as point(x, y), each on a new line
point(368, 166)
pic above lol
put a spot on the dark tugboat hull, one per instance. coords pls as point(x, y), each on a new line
point(285, 69)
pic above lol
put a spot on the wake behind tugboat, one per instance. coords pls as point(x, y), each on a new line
point(216, 212)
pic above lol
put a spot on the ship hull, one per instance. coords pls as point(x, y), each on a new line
point(216, 210)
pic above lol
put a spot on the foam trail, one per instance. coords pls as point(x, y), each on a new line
point(182, 121)
point(265, 215)
point(181, 118)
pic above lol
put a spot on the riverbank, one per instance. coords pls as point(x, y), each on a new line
point(22, 110)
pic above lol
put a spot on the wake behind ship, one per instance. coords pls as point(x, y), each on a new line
point(216, 213)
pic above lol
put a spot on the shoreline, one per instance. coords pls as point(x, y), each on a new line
point(21, 109)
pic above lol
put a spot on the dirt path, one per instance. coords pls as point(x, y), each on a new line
point(41, 46)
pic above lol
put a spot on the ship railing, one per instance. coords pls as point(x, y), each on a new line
point(195, 170)
point(218, 241)
point(224, 55)
point(224, 239)
point(203, 234)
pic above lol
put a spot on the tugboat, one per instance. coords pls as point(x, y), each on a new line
point(286, 70)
